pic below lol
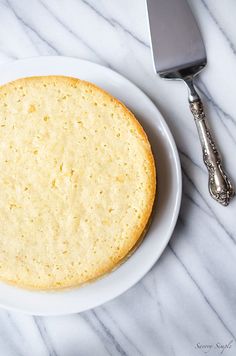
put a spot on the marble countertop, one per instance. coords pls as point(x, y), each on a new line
point(186, 305)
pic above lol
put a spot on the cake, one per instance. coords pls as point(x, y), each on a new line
point(77, 182)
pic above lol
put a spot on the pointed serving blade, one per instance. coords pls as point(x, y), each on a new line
point(176, 40)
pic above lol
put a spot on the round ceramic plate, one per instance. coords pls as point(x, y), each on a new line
point(166, 210)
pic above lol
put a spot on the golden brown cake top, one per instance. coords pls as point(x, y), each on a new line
point(77, 182)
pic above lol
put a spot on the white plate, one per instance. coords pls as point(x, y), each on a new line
point(169, 191)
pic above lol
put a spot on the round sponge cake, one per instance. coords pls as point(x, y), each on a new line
point(77, 182)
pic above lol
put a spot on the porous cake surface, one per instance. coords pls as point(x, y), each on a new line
point(77, 182)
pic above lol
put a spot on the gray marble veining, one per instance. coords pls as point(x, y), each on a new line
point(186, 305)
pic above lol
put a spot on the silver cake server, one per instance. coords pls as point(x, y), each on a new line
point(178, 53)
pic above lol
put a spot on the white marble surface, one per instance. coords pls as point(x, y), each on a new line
point(188, 300)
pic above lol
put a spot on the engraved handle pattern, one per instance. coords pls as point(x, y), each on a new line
point(219, 184)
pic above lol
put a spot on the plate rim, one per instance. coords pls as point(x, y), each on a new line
point(178, 195)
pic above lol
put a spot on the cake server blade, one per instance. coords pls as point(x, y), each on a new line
point(176, 40)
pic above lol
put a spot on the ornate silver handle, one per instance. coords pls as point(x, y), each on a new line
point(220, 186)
